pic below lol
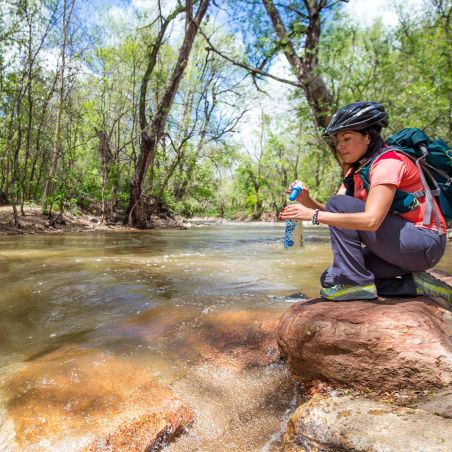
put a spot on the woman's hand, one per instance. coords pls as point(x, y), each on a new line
point(303, 197)
point(296, 212)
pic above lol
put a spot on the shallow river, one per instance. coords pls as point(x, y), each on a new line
point(142, 297)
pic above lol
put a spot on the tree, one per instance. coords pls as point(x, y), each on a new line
point(68, 8)
point(297, 27)
point(152, 133)
point(215, 92)
point(22, 91)
point(404, 68)
point(128, 114)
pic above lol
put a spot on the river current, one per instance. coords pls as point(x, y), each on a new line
point(139, 296)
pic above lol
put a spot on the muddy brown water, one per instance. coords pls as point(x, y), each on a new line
point(141, 296)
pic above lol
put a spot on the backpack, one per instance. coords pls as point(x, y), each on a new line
point(433, 160)
point(434, 163)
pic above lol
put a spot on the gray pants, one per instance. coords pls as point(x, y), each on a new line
point(388, 257)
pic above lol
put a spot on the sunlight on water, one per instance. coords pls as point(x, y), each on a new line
point(161, 301)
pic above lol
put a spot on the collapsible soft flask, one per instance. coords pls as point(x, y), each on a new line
point(293, 234)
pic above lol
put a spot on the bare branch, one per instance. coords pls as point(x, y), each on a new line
point(155, 47)
point(252, 70)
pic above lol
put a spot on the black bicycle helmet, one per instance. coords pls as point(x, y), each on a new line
point(358, 116)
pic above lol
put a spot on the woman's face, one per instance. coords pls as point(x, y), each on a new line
point(351, 145)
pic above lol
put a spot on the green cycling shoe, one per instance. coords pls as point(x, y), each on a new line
point(428, 286)
point(342, 292)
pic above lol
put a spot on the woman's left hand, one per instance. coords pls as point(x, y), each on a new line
point(296, 212)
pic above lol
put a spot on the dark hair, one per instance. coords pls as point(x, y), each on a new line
point(376, 141)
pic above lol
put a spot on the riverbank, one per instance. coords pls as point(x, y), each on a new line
point(35, 222)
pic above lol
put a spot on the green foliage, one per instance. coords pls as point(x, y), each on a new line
point(200, 167)
point(202, 194)
point(409, 69)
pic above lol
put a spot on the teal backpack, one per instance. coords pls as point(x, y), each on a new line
point(433, 160)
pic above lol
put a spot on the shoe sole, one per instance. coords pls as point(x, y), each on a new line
point(434, 288)
point(354, 298)
point(347, 294)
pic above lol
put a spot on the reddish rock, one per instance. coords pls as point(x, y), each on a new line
point(237, 339)
point(384, 345)
point(147, 432)
point(150, 324)
point(233, 339)
point(74, 399)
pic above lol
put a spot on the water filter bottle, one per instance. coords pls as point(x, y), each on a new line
point(293, 234)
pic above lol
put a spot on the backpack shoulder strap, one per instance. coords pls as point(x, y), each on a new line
point(371, 162)
point(366, 167)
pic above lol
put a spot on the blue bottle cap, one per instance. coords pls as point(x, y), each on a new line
point(294, 193)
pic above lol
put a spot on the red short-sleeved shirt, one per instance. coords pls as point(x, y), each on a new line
point(397, 169)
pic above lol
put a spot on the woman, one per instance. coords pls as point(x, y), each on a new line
point(398, 248)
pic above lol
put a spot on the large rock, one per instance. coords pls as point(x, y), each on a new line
point(384, 345)
point(356, 424)
point(82, 399)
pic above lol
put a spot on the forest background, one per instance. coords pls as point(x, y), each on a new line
point(137, 108)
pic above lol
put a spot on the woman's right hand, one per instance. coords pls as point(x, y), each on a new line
point(303, 197)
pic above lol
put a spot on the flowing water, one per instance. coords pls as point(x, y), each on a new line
point(152, 298)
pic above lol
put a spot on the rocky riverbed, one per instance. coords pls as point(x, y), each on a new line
point(81, 398)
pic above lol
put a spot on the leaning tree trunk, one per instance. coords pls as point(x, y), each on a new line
point(151, 135)
point(305, 68)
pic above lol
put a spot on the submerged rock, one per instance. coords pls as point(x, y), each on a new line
point(358, 424)
point(82, 399)
point(385, 345)
point(235, 411)
point(237, 339)
point(233, 339)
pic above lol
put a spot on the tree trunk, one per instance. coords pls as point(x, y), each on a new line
point(49, 185)
point(151, 135)
point(306, 68)
point(106, 158)
point(11, 187)
point(30, 116)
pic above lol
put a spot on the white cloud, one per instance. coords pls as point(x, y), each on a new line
point(152, 5)
point(365, 12)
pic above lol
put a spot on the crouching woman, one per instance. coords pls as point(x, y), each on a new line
point(375, 250)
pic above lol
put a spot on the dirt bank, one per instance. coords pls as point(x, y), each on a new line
point(35, 222)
